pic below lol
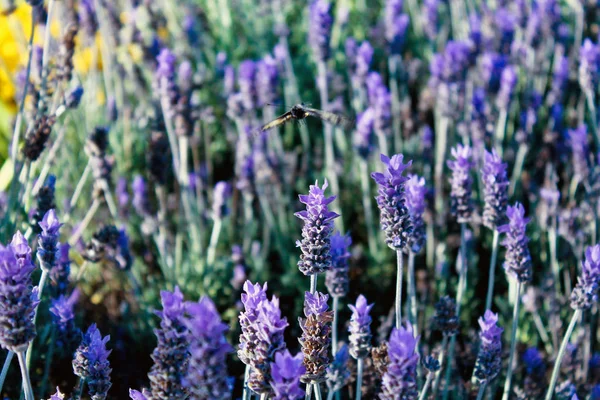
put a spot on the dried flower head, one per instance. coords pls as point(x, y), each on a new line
point(316, 336)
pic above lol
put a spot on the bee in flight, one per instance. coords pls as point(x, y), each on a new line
point(300, 111)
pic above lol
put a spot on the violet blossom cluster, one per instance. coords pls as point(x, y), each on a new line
point(517, 261)
point(489, 359)
point(495, 187)
point(585, 293)
point(316, 336)
point(461, 204)
point(400, 378)
point(360, 328)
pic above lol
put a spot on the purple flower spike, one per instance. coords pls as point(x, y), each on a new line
point(517, 260)
point(578, 142)
point(363, 136)
point(319, 32)
point(91, 363)
point(267, 80)
point(364, 56)
point(508, 81)
point(121, 192)
point(285, 373)
point(316, 336)
point(394, 215)
point(460, 196)
point(360, 328)
point(495, 186)
point(489, 360)
point(47, 252)
point(338, 373)
point(316, 232)
point(165, 80)
point(18, 299)
point(247, 83)
point(396, 24)
point(140, 200)
point(585, 293)
point(337, 277)
point(207, 369)
point(63, 318)
point(588, 66)
point(415, 202)
point(221, 195)
point(400, 379)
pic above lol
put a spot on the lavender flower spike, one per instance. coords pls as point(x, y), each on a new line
point(337, 277)
point(400, 379)
point(47, 252)
point(585, 293)
point(316, 232)
point(221, 195)
point(91, 364)
point(489, 360)
point(17, 298)
point(285, 373)
point(395, 218)
point(338, 373)
point(415, 202)
point(460, 195)
point(206, 377)
point(360, 328)
point(316, 336)
point(579, 151)
point(495, 182)
point(517, 260)
point(319, 33)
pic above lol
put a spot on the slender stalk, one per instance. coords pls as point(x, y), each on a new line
point(334, 325)
point(359, 378)
point(451, 351)
point(518, 169)
point(25, 376)
point(553, 259)
point(309, 387)
point(81, 270)
point(425, 389)
point(80, 390)
point(317, 388)
point(438, 374)
point(561, 354)
point(412, 293)
point(313, 283)
point(393, 66)
point(214, 240)
point(110, 201)
point(48, 365)
point(513, 343)
point(481, 391)
point(84, 223)
point(80, 184)
point(501, 130)
point(263, 396)
point(5, 367)
point(247, 394)
point(462, 280)
point(441, 143)
point(399, 288)
point(490, 291)
point(366, 199)
point(542, 331)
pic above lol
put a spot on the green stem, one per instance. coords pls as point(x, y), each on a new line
point(425, 389)
point(399, 275)
point(366, 199)
point(247, 393)
point(313, 283)
point(490, 291)
point(481, 391)
point(561, 354)
point(359, 378)
point(214, 240)
point(462, 280)
point(513, 343)
point(48, 365)
point(412, 293)
point(438, 374)
point(318, 395)
point(25, 376)
point(5, 367)
point(334, 325)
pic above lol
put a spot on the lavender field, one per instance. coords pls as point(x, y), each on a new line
point(287, 199)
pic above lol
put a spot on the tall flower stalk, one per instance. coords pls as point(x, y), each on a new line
point(394, 215)
point(415, 202)
point(337, 279)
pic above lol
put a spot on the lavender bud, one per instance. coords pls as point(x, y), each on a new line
point(319, 32)
point(58, 395)
point(534, 384)
point(517, 259)
point(338, 373)
point(121, 193)
point(431, 364)
point(206, 376)
point(394, 215)
point(318, 226)
point(47, 251)
point(360, 328)
point(415, 202)
point(140, 200)
point(165, 81)
point(445, 318)
point(316, 336)
point(137, 395)
point(363, 136)
point(337, 276)
point(73, 97)
point(460, 196)
point(585, 293)
point(221, 195)
point(495, 188)
point(489, 359)
point(400, 379)
point(285, 373)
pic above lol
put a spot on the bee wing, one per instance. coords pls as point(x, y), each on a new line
point(330, 117)
point(277, 121)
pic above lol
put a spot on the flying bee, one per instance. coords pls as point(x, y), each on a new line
point(301, 111)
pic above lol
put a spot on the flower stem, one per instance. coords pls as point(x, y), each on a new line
point(25, 376)
point(318, 395)
point(313, 283)
point(214, 240)
point(366, 199)
point(334, 327)
point(513, 343)
point(462, 279)
point(399, 288)
point(425, 389)
point(490, 291)
point(359, 378)
point(247, 394)
point(5, 367)
point(412, 293)
point(561, 354)
point(438, 374)
point(501, 130)
point(86, 220)
point(481, 391)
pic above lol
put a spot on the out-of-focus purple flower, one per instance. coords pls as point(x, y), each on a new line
point(316, 232)
point(18, 299)
point(206, 376)
point(400, 379)
point(90, 363)
point(495, 188)
point(47, 252)
point(374, 82)
point(360, 328)
point(595, 394)
point(247, 83)
point(391, 200)
point(316, 336)
point(228, 81)
point(337, 276)
point(121, 192)
point(445, 318)
point(350, 50)
point(506, 23)
point(364, 56)
point(560, 78)
point(58, 395)
point(123, 255)
point(171, 354)
point(534, 362)
point(140, 199)
point(59, 275)
point(451, 65)
point(415, 202)
point(165, 80)
point(585, 293)
point(508, 81)
point(528, 117)
point(478, 125)
point(63, 318)
point(87, 19)
point(363, 135)
point(319, 32)
point(517, 262)
point(430, 18)
point(578, 142)
point(221, 195)
point(267, 80)
point(548, 207)
point(239, 270)
point(492, 65)
point(589, 64)
point(461, 204)
point(338, 373)
point(396, 24)
point(285, 373)
point(45, 202)
point(381, 103)
point(489, 359)
point(73, 97)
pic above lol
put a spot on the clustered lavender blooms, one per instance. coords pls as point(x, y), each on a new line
point(400, 378)
point(91, 364)
point(63, 317)
point(495, 186)
point(48, 247)
point(319, 33)
point(338, 373)
point(445, 318)
point(59, 275)
point(415, 202)
point(489, 360)
point(517, 261)
point(585, 293)
point(337, 276)
point(45, 202)
point(316, 336)
point(360, 328)
point(206, 377)
point(285, 373)
point(461, 204)
point(18, 299)
point(316, 232)
point(394, 218)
